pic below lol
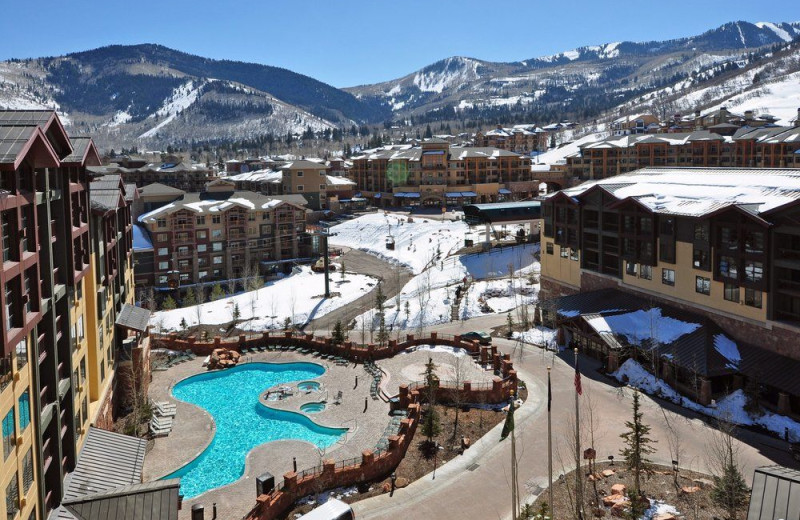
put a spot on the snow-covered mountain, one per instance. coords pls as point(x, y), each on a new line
point(578, 83)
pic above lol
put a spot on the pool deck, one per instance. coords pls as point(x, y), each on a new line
point(193, 428)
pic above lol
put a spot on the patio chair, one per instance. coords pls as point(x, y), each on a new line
point(338, 398)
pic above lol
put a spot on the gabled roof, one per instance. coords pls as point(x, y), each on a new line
point(84, 152)
point(217, 202)
point(158, 189)
point(303, 164)
point(17, 142)
point(47, 120)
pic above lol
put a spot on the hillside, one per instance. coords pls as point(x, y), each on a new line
point(579, 84)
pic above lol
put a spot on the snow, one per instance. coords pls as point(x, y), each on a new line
point(298, 297)
point(782, 34)
point(731, 408)
point(455, 72)
point(657, 508)
point(572, 55)
point(727, 349)
point(416, 243)
point(458, 352)
point(119, 118)
point(559, 154)
point(541, 336)
point(182, 98)
point(643, 324)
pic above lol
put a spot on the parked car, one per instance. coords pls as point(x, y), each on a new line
point(482, 337)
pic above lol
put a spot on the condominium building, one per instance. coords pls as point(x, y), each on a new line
point(51, 388)
point(522, 139)
point(722, 145)
point(720, 242)
point(181, 175)
point(438, 174)
point(220, 234)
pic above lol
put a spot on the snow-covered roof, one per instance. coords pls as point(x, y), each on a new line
point(267, 175)
point(699, 191)
point(203, 203)
point(332, 180)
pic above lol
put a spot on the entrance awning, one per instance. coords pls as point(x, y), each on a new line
point(408, 194)
point(454, 194)
point(468, 194)
point(503, 191)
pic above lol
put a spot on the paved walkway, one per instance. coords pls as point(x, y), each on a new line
point(476, 485)
point(194, 429)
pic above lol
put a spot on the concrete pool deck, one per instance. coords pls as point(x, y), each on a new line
point(194, 429)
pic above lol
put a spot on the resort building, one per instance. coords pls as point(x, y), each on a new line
point(221, 234)
point(438, 174)
point(720, 145)
point(47, 368)
point(719, 243)
point(522, 139)
point(180, 175)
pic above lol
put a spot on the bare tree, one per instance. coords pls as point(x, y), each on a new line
point(730, 491)
point(199, 297)
point(457, 397)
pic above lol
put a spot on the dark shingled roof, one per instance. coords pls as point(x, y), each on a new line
point(79, 147)
point(130, 191)
point(151, 501)
point(133, 317)
point(25, 117)
point(157, 188)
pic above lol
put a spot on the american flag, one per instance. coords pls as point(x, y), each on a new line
point(578, 379)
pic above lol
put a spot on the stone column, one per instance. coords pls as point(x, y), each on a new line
point(784, 404)
point(705, 392)
point(613, 361)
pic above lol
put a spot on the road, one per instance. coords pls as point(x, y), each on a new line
point(476, 485)
point(394, 279)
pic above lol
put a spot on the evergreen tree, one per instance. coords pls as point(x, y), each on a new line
point(338, 335)
point(428, 132)
point(730, 490)
point(168, 304)
point(380, 299)
point(183, 324)
point(189, 298)
point(430, 423)
point(236, 314)
point(217, 292)
point(638, 447)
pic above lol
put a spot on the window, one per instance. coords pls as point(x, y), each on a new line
point(731, 292)
point(321, 187)
point(251, 217)
point(216, 246)
point(163, 265)
point(200, 221)
point(27, 472)
point(202, 274)
point(22, 353)
point(702, 285)
point(752, 297)
point(9, 306)
point(184, 277)
point(754, 241)
point(727, 267)
point(78, 424)
point(162, 280)
point(216, 219)
point(216, 233)
point(666, 251)
point(217, 259)
point(646, 272)
point(202, 234)
point(7, 241)
point(668, 276)
point(24, 410)
point(299, 187)
point(26, 280)
point(183, 250)
point(8, 433)
point(12, 498)
point(573, 254)
point(83, 370)
point(162, 251)
point(564, 252)
point(161, 223)
point(630, 268)
point(299, 174)
point(79, 290)
point(753, 271)
point(202, 248)
point(701, 259)
point(217, 272)
point(162, 237)
point(265, 216)
point(549, 248)
point(729, 238)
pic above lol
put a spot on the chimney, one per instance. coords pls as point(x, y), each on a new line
point(748, 115)
point(723, 115)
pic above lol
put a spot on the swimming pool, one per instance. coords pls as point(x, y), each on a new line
point(309, 386)
point(232, 398)
point(312, 407)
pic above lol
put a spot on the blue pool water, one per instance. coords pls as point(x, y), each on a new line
point(312, 407)
point(231, 397)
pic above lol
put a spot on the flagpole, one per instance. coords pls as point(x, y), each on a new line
point(549, 448)
point(578, 494)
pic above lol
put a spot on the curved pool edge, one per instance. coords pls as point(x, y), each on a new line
point(208, 444)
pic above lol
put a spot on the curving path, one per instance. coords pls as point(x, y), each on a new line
point(476, 486)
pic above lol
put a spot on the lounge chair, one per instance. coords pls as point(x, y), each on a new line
point(338, 398)
point(165, 409)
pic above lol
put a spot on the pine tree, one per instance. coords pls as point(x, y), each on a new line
point(168, 304)
point(730, 490)
point(428, 132)
point(430, 423)
point(183, 324)
point(638, 447)
point(236, 314)
point(380, 299)
point(338, 335)
point(217, 292)
point(189, 298)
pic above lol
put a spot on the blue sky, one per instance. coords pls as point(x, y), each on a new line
point(350, 42)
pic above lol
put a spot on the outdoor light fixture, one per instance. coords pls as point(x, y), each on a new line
point(393, 477)
point(611, 459)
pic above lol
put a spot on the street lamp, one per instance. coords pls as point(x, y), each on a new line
point(611, 460)
point(393, 479)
